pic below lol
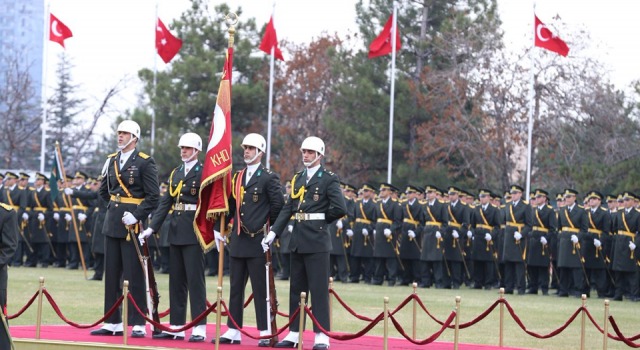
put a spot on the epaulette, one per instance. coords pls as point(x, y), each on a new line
point(525, 202)
point(324, 170)
point(394, 199)
point(423, 202)
point(31, 188)
point(580, 206)
point(358, 200)
point(493, 205)
point(112, 155)
point(472, 206)
point(550, 207)
point(87, 187)
point(143, 155)
point(47, 189)
point(502, 206)
point(378, 201)
point(20, 187)
point(441, 201)
point(268, 171)
point(603, 209)
point(6, 207)
point(463, 203)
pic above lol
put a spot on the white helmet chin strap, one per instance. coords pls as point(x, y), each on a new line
point(308, 164)
point(126, 144)
point(249, 161)
point(195, 154)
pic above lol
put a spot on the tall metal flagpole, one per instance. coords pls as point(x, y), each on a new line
point(532, 95)
point(393, 80)
point(155, 72)
point(45, 55)
point(273, 53)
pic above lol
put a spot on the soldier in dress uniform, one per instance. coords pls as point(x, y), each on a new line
point(388, 224)
point(8, 244)
point(339, 239)
point(538, 255)
point(519, 221)
point(62, 217)
point(468, 199)
point(2, 188)
point(594, 249)
point(41, 206)
point(81, 198)
point(624, 263)
point(283, 241)
point(361, 242)
point(411, 230)
point(454, 241)
point(256, 200)
point(573, 235)
point(485, 223)
point(130, 184)
point(97, 247)
point(163, 234)
point(553, 244)
point(316, 201)
point(435, 269)
point(15, 197)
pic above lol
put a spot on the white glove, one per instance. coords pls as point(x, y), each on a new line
point(25, 216)
point(56, 216)
point(68, 191)
point(632, 245)
point(40, 217)
point(365, 232)
point(82, 216)
point(596, 242)
point(218, 238)
point(339, 224)
point(128, 219)
point(349, 233)
point(146, 233)
point(387, 232)
point(267, 241)
point(455, 234)
point(290, 228)
point(150, 215)
point(543, 240)
point(438, 235)
point(374, 232)
point(574, 239)
point(67, 217)
point(469, 234)
point(411, 234)
point(517, 236)
point(487, 237)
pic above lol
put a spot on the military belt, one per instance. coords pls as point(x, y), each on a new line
point(540, 229)
point(515, 224)
point(65, 209)
point(96, 210)
point(309, 216)
point(627, 233)
point(484, 226)
point(364, 221)
point(414, 222)
point(433, 223)
point(184, 207)
point(80, 207)
point(571, 229)
point(503, 226)
point(385, 221)
point(42, 209)
point(15, 207)
point(126, 200)
point(454, 224)
point(594, 230)
point(27, 208)
point(246, 230)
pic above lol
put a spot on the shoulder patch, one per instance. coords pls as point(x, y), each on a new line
point(502, 206)
point(603, 209)
point(143, 155)
point(550, 207)
point(394, 199)
point(422, 202)
point(6, 207)
point(358, 200)
point(472, 206)
point(20, 187)
point(525, 202)
point(493, 205)
point(580, 206)
point(31, 188)
point(440, 201)
point(112, 155)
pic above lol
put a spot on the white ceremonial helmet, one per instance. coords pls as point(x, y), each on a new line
point(313, 143)
point(192, 140)
point(129, 126)
point(255, 140)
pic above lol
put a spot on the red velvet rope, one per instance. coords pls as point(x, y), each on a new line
point(282, 329)
point(634, 338)
point(536, 335)
point(17, 314)
point(168, 311)
point(162, 327)
point(627, 341)
point(76, 325)
point(346, 307)
point(432, 338)
point(337, 336)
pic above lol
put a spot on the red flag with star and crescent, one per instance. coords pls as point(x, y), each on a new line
point(547, 40)
point(215, 187)
point(58, 31)
point(167, 45)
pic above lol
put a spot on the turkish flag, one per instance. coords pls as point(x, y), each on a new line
point(215, 186)
point(547, 40)
point(269, 40)
point(382, 44)
point(58, 31)
point(167, 45)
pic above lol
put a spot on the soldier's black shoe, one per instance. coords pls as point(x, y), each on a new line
point(224, 340)
point(617, 298)
point(531, 291)
point(72, 267)
point(562, 294)
point(263, 343)
point(286, 344)
point(103, 331)
point(168, 336)
point(139, 334)
point(282, 278)
point(320, 347)
point(390, 284)
point(354, 281)
point(95, 278)
point(196, 339)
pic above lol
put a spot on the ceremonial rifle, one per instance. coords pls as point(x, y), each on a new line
point(272, 300)
point(153, 297)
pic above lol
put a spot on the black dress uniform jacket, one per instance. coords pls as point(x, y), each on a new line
point(436, 218)
point(40, 202)
point(519, 218)
point(8, 241)
point(339, 239)
point(412, 219)
point(570, 221)
point(366, 216)
point(389, 216)
point(599, 228)
point(483, 222)
point(626, 228)
point(459, 220)
point(544, 225)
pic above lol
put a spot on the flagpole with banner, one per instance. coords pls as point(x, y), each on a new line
point(532, 95)
point(271, 64)
point(45, 55)
point(155, 72)
point(393, 80)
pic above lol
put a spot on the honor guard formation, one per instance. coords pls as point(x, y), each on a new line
point(315, 228)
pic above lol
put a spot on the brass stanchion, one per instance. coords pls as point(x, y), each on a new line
point(39, 317)
point(303, 298)
point(386, 323)
point(501, 315)
point(584, 319)
point(456, 333)
point(218, 317)
point(605, 326)
point(125, 311)
point(415, 310)
point(330, 302)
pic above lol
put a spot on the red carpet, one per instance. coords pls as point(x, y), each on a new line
point(65, 332)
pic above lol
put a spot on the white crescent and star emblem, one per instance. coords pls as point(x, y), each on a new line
point(539, 33)
point(54, 28)
point(219, 126)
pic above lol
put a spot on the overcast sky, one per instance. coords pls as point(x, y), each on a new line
point(115, 38)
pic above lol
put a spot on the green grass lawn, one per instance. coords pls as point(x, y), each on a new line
point(82, 302)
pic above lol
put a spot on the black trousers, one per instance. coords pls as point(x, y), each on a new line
point(455, 279)
point(61, 253)
point(186, 279)
point(339, 264)
point(240, 270)
point(74, 254)
point(412, 270)
point(539, 278)
point(4, 337)
point(41, 254)
point(572, 280)
point(514, 277)
point(310, 273)
point(122, 264)
point(626, 283)
point(285, 261)
point(483, 273)
point(431, 273)
point(18, 256)
point(361, 266)
point(99, 270)
point(164, 261)
point(388, 266)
